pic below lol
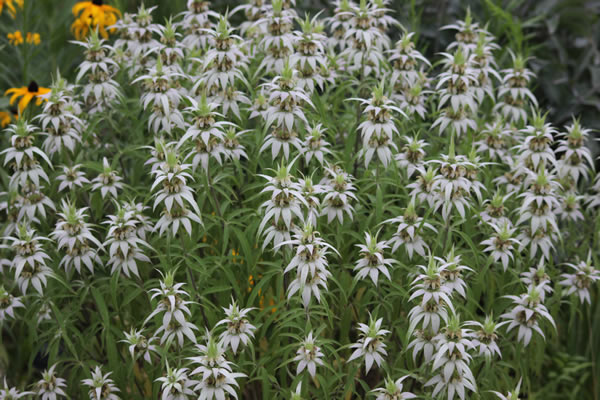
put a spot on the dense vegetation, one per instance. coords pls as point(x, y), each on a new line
point(307, 201)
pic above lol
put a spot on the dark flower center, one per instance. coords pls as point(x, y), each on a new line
point(33, 87)
point(97, 2)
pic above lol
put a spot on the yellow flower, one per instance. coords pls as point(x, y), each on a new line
point(33, 38)
point(15, 38)
point(10, 4)
point(93, 15)
point(27, 94)
point(5, 118)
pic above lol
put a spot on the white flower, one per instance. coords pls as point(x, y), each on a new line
point(161, 95)
point(339, 23)
point(312, 286)
point(195, 23)
point(393, 390)
point(338, 194)
point(405, 61)
point(570, 208)
point(315, 144)
point(123, 243)
point(370, 345)
point(281, 139)
point(424, 340)
point(176, 385)
point(514, 395)
point(485, 337)
point(452, 360)
point(527, 314)
point(308, 356)
point(541, 239)
point(143, 224)
point(30, 260)
point(204, 133)
point(297, 395)
point(175, 195)
point(309, 192)
point(138, 345)
point(34, 201)
point(424, 188)
point(581, 279)
point(170, 50)
point(513, 93)
point(216, 377)
point(539, 278)
point(59, 118)
point(496, 210)
point(101, 386)
point(101, 90)
point(495, 141)
point(468, 33)
point(50, 387)
point(229, 100)
point(365, 41)
point(286, 101)
point(107, 181)
point(452, 273)
point(411, 156)
point(372, 260)
point(535, 149)
point(73, 235)
point(232, 149)
point(455, 386)
point(501, 244)
point(435, 297)
point(12, 393)
point(238, 327)
point(455, 82)
point(452, 184)
point(224, 62)
point(408, 231)
point(285, 204)
point(175, 308)
point(21, 156)
point(310, 263)
point(8, 304)
point(457, 102)
point(513, 178)
point(413, 99)
point(309, 57)
point(71, 178)
point(378, 129)
point(575, 160)
point(540, 201)
point(278, 41)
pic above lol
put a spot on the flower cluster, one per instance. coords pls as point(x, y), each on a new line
point(387, 201)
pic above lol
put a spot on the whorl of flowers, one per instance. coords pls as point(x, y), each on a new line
point(378, 129)
point(73, 234)
point(216, 378)
point(370, 346)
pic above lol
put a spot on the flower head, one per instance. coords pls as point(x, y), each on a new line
point(94, 15)
point(101, 386)
point(11, 5)
point(238, 327)
point(393, 390)
point(580, 279)
point(28, 93)
point(308, 356)
point(370, 344)
point(50, 387)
